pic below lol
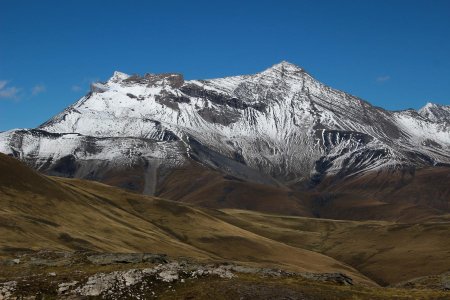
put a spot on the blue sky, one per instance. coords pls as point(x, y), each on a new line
point(395, 54)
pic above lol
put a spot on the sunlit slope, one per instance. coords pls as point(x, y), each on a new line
point(40, 212)
point(386, 252)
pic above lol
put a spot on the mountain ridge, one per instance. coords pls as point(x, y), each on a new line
point(274, 127)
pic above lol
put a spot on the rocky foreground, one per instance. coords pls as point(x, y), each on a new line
point(86, 275)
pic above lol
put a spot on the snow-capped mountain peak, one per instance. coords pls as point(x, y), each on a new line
point(284, 67)
point(118, 77)
point(435, 112)
point(280, 123)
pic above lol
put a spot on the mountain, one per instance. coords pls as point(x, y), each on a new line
point(280, 128)
point(436, 113)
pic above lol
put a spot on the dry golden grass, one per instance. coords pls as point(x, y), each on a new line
point(39, 212)
point(72, 214)
point(204, 187)
point(386, 252)
point(404, 195)
point(246, 286)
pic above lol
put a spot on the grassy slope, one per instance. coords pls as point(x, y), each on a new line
point(41, 212)
point(44, 212)
point(254, 287)
point(384, 251)
point(401, 195)
point(414, 195)
point(207, 188)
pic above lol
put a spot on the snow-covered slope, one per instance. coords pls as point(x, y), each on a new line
point(436, 113)
point(279, 124)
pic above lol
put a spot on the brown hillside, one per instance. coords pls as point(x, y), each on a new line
point(404, 196)
point(71, 214)
point(384, 251)
point(208, 188)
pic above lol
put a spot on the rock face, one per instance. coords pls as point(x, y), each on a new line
point(190, 279)
point(7, 289)
point(277, 126)
point(128, 258)
point(146, 279)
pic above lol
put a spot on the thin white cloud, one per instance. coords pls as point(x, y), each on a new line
point(75, 88)
point(84, 84)
point(8, 92)
point(37, 89)
point(91, 80)
point(383, 78)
